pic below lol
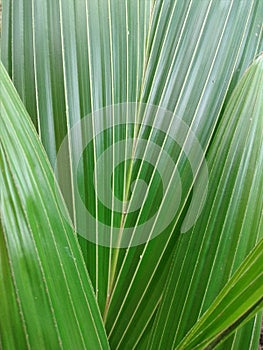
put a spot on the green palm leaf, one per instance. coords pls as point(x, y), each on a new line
point(233, 306)
point(47, 297)
point(227, 228)
point(121, 71)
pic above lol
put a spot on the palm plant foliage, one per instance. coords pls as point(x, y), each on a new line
point(131, 155)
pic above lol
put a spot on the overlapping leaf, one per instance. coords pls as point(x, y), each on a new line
point(47, 300)
point(230, 224)
point(238, 301)
point(68, 59)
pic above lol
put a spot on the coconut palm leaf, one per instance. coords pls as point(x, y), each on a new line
point(224, 234)
point(47, 300)
point(122, 89)
point(224, 314)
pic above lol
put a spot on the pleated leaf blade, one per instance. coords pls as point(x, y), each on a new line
point(47, 300)
point(229, 226)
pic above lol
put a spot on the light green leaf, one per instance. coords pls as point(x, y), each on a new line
point(239, 300)
point(230, 224)
point(246, 337)
point(47, 301)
